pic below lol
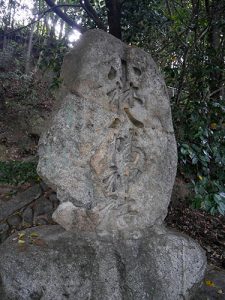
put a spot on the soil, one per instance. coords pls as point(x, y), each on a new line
point(208, 230)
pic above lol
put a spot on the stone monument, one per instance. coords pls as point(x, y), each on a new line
point(110, 151)
point(110, 154)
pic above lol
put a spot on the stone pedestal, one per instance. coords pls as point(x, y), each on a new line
point(58, 265)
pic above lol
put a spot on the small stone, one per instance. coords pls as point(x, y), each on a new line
point(28, 215)
point(55, 201)
point(64, 215)
point(19, 201)
point(4, 228)
point(40, 221)
point(14, 220)
point(44, 186)
point(43, 207)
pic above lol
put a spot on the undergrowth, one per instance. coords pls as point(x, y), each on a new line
point(18, 172)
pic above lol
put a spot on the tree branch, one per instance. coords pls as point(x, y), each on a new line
point(42, 15)
point(92, 13)
point(64, 16)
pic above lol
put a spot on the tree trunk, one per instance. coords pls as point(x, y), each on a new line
point(114, 17)
point(29, 49)
point(215, 14)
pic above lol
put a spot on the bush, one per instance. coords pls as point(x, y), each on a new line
point(201, 148)
point(18, 172)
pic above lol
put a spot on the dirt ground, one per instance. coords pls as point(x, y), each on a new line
point(208, 230)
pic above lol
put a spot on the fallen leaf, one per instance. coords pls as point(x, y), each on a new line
point(21, 242)
point(34, 235)
point(21, 235)
point(210, 283)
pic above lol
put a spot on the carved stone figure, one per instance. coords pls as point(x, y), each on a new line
point(110, 149)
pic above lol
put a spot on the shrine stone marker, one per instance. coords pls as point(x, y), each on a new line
point(110, 154)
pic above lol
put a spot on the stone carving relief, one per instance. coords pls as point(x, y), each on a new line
point(111, 137)
point(119, 159)
point(117, 162)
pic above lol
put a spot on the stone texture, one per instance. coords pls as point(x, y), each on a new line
point(213, 287)
point(4, 229)
point(14, 220)
point(55, 201)
point(41, 203)
point(28, 215)
point(19, 201)
point(160, 265)
point(42, 207)
point(110, 148)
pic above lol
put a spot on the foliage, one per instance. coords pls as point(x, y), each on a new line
point(201, 146)
point(52, 58)
point(18, 172)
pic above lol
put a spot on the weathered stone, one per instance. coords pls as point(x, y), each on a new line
point(4, 230)
point(110, 149)
point(40, 221)
point(14, 220)
point(160, 265)
point(213, 287)
point(55, 201)
point(43, 207)
point(28, 216)
point(69, 216)
point(19, 201)
point(44, 186)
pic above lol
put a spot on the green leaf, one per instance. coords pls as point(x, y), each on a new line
point(217, 198)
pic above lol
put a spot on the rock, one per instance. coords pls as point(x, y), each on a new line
point(40, 221)
point(61, 265)
point(28, 216)
point(19, 201)
point(14, 220)
point(44, 186)
point(42, 207)
point(110, 148)
point(69, 216)
point(213, 287)
point(36, 123)
point(110, 154)
point(4, 231)
point(55, 201)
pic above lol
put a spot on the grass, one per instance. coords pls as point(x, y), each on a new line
point(18, 172)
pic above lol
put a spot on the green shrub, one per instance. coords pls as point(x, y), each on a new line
point(18, 172)
point(201, 148)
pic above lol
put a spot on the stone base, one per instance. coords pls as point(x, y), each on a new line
point(54, 264)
